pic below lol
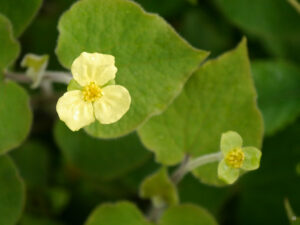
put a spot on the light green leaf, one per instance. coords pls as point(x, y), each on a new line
point(9, 46)
point(12, 192)
point(15, 116)
point(117, 214)
point(280, 34)
point(278, 87)
point(187, 214)
point(20, 12)
point(226, 173)
point(32, 159)
point(219, 97)
point(160, 189)
point(229, 141)
point(252, 158)
point(100, 159)
point(153, 61)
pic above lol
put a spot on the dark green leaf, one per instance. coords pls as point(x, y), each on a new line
point(100, 159)
point(20, 12)
point(15, 116)
point(12, 192)
point(278, 87)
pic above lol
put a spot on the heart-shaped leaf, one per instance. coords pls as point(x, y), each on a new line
point(219, 97)
point(153, 61)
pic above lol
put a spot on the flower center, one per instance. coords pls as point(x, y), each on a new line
point(91, 92)
point(235, 158)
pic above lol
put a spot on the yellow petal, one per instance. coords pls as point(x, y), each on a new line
point(114, 103)
point(74, 111)
point(94, 67)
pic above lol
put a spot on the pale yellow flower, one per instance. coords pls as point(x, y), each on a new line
point(96, 98)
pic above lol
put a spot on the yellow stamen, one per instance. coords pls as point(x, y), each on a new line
point(235, 158)
point(91, 92)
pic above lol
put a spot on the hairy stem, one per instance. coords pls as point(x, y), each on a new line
point(53, 76)
point(191, 164)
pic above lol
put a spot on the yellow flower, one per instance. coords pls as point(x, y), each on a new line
point(96, 98)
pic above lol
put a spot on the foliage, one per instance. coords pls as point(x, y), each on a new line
point(211, 93)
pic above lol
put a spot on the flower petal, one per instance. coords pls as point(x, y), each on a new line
point(252, 158)
point(74, 111)
point(113, 104)
point(230, 140)
point(227, 173)
point(94, 67)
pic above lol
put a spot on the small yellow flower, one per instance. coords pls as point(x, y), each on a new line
point(96, 98)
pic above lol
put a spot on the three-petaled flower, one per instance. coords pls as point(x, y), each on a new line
point(96, 97)
point(236, 157)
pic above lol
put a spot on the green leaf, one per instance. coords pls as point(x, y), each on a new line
point(100, 159)
point(36, 66)
point(127, 213)
point(188, 214)
point(252, 158)
point(220, 96)
point(9, 46)
point(15, 116)
point(206, 30)
point(32, 159)
point(12, 192)
point(160, 189)
point(153, 61)
point(278, 87)
point(117, 214)
point(280, 34)
point(20, 12)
